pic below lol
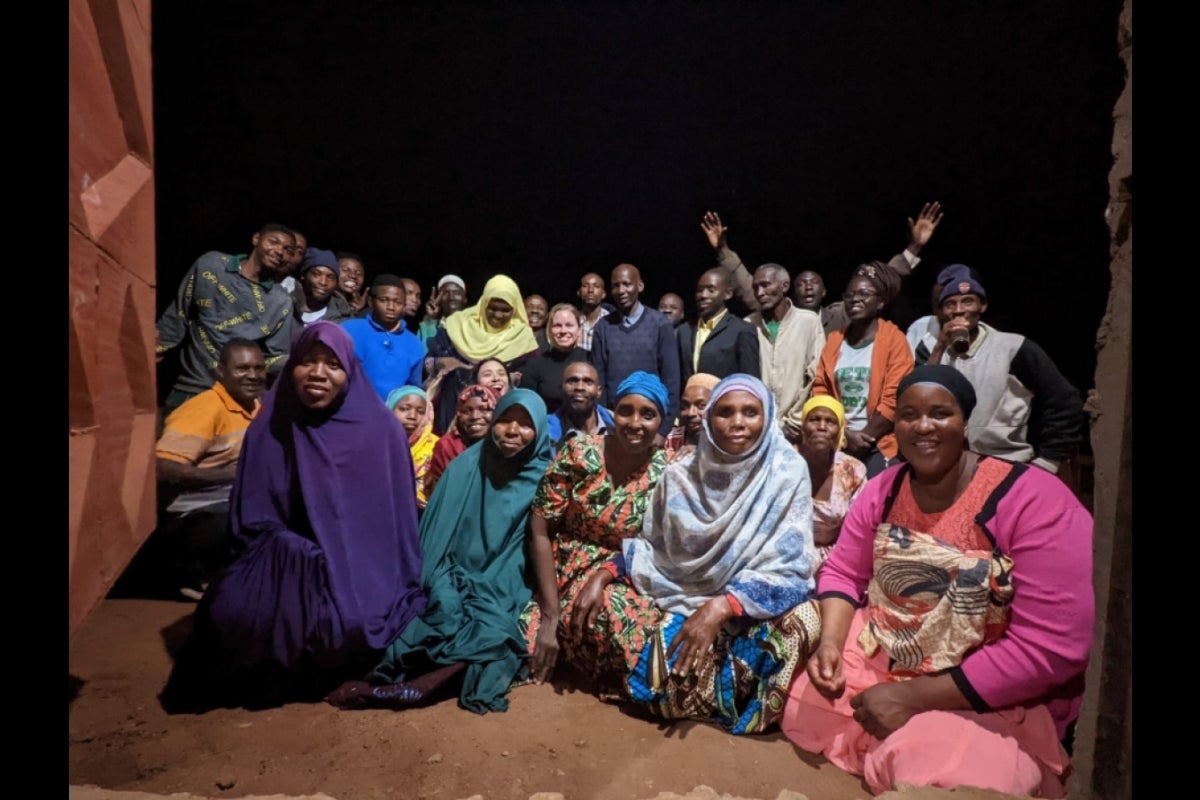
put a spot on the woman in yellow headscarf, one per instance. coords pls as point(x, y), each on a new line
point(837, 477)
point(495, 327)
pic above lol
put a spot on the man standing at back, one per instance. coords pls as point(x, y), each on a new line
point(790, 342)
point(717, 343)
point(635, 338)
point(223, 297)
point(391, 354)
point(1025, 410)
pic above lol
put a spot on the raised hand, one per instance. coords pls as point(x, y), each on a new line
point(921, 231)
point(713, 229)
point(433, 306)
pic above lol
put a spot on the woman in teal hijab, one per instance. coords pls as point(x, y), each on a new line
point(473, 545)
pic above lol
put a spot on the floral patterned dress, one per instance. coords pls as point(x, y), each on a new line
point(589, 517)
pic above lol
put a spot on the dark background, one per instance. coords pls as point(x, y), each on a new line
point(548, 140)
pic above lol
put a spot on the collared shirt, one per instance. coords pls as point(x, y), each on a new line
point(633, 316)
point(560, 428)
point(392, 358)
point(704, 329)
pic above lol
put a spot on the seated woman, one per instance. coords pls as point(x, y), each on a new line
point(956, 612)
point(593, 497)
point(863, 363)
point(492, 374)
point(495, 327)
point(473, 543)
point(837, 477)
point(683, 437)
point(325, 507)
point(476, 405)
point(727, 555)
point(412, 408)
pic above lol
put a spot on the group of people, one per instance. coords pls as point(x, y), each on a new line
point(756, 522)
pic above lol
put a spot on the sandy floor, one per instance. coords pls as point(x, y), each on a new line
point(551, 740)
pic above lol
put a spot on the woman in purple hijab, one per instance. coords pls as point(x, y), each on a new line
point(324, 510)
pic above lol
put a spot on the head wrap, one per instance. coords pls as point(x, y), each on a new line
point(319, 258)
point(834, 405)
point(396, 395)
point(959, 279)
point(703, 380)
point(485, 393)
point(883, 277)
point(473, 540)
point(721, 523)
point(948, 378)
point(457, 281)
point(421, 440)
point(648, 386)
point(344, 477)
point(475, 339)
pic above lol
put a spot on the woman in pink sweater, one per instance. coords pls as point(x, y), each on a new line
point(956, 614)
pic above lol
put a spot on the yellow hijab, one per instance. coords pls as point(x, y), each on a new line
point(475, 340)
point(829, 402)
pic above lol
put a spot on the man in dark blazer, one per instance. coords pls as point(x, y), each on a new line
point(718, 343)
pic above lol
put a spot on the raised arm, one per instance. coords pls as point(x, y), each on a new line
point(740, 277)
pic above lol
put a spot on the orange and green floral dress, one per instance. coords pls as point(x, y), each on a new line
point(589, 518)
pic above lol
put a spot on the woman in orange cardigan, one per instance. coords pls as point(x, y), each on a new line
point(862, 365)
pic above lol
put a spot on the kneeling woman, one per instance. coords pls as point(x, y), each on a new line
point(324, 506)
point(957, 615)
point(473, 543)
point(727, 554)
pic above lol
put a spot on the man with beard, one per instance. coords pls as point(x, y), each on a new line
point(448, 296)
point(316, 297)
point(634, 338)
point(392, 356)
point(580, 412)
point(225, 297)
point(197, 458)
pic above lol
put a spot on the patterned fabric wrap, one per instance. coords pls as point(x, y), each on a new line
point(931, 603)
point(722, 523)
point(743, 685)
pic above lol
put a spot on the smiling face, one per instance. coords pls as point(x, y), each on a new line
point(350, 275)
point(318, 283)
point(274, 251)
point(862, 300)
point(712, 292)
point(451, 298)
point(581, 387)
point(809, 290)
point(627, 286)
point(820, 430)
point(410, 411)
point(243, 374)
point(319, 377)
point(691, 409)
point(930, 429)
point(636, 420)
point(498, 313)
point(513, 431)
point(565, 330)
point(535, 311)
point(591, 291)
point(494, 375)
point(737, 421)
point(387, 305)
point(472, 419)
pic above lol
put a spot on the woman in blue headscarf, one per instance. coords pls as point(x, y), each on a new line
point(591, 500)
point(473, 545)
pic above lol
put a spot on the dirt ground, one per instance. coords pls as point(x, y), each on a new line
point(550, 740)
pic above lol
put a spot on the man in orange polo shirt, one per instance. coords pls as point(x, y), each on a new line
point(197, 458)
